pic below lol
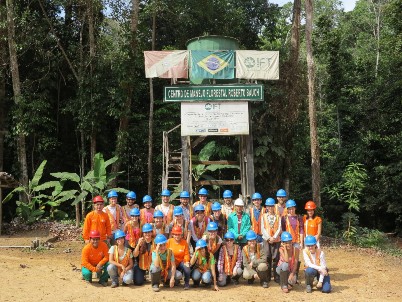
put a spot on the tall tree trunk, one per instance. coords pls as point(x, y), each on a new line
point(3, 63)
point(124, 118)
point(91, 34)
point(151, 114)
point(315, 149)
point(22, 157)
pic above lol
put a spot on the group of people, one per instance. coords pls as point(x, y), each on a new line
point(213, 244)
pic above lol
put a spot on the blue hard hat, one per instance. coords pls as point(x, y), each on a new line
point(270, 201)
point(256, 196)
point(229, 235)
point(251, 235)
point(201, 243)
point(184, 194)
point(165, 192)
point(146, 198)
point(160, 239)
point(135, 212)
point(310, 240)
point(290, 203)
point(216, 206)
point(199, 207)
point(212, 226)
point(281, 193)
point(158, 214)
point(119, 234)
point(131, 195)
point(203, 191)
point(147, 228)
point(178, 211)
point(286, 236)
point(227, 194)
point(111, 194)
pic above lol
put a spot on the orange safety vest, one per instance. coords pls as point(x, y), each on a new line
point(317, 256)
point(208, 210)
point(294, 232)
point(165, 268)
point(246, 251)
point(274, 229)
point(145, 259)
point(125, 261)
point(230, 262)
point(206, 266)
point(133, 236)
point(143, 216)
point(213, 245)
point(200, 231)
point(284, 213)
point(162, 228)
point(255, 224)
point(114, 223)
point(291, 261)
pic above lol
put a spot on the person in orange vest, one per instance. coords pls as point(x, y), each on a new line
point(229, 261)
point(94, 258)
point(97, 220)
point(147, 213)
point(120, 261)
point(293, 224)
point(255, 260)
point(311, 222)
point(133, 229)
point(255, 210)
point(165, 207)
point(287, 264)
point(181, 253)
point(315, 266)
point(198, 224)
point(163, 264)
point(202, 195)
point(188, 210)
point(218, 218)
point(143, 251)
point(214, 242)
point(228, 206)
point(159, 224)
point(280, 207)
point(203, 264)
point(130, 204)
point(179, 220)
point(114, 212)
point(271, 228)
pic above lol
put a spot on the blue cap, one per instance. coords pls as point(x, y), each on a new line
point(146, 198)
point(165, 192)
point(290, 203)
point(131, 195)
point(135, 212)
point(184, 194)
point(111, 194)
point(227, 194)
point(158, 214)
point(251, 235)
point(270, 201)
point(203, 191)
point(216, 206)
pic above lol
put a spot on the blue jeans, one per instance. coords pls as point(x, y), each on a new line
point(326, 284)
point(139, 275)
point(184, 270)
point(197, 276)
point(114, 274)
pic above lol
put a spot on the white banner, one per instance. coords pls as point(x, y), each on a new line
point(166, 64)
point(226, 118)
point(257, 65)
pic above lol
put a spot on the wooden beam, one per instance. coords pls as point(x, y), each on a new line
point(216, 162)
point(217, 182)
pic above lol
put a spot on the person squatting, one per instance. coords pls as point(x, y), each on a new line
point(211, 244)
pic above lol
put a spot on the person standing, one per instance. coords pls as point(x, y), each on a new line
point(114, 212)
point(311, 222)
point(280, 207)
point(198, 224)
point(255, 211)
point(97, 220)
point(203, 195)
point(94, 258)
point(218, 218)
point(239, 223)
point(227, 207)
point(147, 213)
point(188, 210)
point(133, 228)
point(130, 204)
point(182, 223)
point(165, 207)
point(159, 224)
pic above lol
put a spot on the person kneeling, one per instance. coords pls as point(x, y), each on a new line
point(163, 264)
point(230, 260)
point(203, 264)
point(314, 262)
point(254, 261)
point(287, 264)
point(120, 261)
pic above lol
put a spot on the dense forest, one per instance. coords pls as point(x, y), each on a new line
point(72, 85)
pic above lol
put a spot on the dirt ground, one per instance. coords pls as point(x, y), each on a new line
point(54, 275)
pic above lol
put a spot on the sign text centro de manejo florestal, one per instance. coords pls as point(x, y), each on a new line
point(249, 92)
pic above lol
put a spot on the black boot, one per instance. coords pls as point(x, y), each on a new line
point(283, 278)
point(297, 272)
point(274, 266)
point(155, 281)
point(269, 268)
point(263, 278)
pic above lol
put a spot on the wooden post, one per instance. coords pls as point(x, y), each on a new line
point(185, 164)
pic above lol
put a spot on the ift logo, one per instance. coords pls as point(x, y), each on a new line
point(209, 106)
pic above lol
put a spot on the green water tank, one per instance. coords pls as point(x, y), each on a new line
point(212, 43)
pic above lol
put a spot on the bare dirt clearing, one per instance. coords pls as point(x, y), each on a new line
point(54, 275)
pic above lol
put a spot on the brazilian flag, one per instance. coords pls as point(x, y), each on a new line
point(215, 64)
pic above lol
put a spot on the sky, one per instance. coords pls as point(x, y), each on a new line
point(347, 4)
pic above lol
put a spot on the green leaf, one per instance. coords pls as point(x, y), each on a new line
point(67, 176)
point(11, 194)
point(79, 198)
point(38, 174)
point(53, 203)
point(46, 185)
point(111, 161)
point(220, 167)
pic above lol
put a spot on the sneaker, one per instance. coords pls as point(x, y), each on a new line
point(235, 281)
point(186, 286)
point(265, 284)
point(155, 287)
point(308, 289)
point(124, 284)
point(103, 283)
point(114, 284)
point(250, 281)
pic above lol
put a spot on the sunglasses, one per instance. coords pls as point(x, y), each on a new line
point(229, 240)
point(199, 212)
